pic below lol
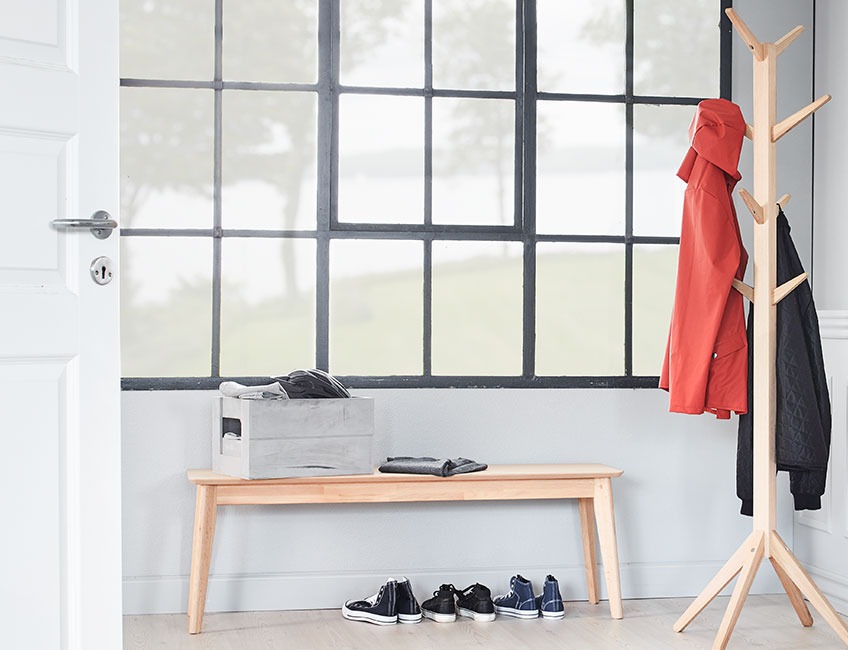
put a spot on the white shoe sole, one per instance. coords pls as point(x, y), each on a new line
point(409, 618)
point(516, 613)
point(439, 618)
point(477, 616)
point(367, 617)
point(553, 615)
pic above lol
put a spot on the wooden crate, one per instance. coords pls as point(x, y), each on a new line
point(298, 437)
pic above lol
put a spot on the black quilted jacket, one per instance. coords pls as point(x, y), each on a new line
point(802, 425)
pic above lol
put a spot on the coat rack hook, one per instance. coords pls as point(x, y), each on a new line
point(783, 200)
point(749, 131)
point(782, 128)
point(746, 34)
point(786, 288)
point(744, 289)
point(785, 41)
point(755, 208)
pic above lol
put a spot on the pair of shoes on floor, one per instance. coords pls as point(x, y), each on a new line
point(394, 603)
point(474, 602)
point(520, 602)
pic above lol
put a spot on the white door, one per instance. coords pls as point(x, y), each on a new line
point(60, 568)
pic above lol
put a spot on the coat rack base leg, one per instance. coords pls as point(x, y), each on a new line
point(745, 563)
point(794, 594)
point(795, 572)
point(721, 579)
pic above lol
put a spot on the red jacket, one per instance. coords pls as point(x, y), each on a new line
point(706, 360)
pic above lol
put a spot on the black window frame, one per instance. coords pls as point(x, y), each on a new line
point(328, 227)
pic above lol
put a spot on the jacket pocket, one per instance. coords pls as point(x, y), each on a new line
point(729, 345)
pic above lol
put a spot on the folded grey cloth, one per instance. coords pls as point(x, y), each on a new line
point(427, 465)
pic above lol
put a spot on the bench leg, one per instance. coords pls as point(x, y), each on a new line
point(205, 511)
point(609, 549)
point(587, 532)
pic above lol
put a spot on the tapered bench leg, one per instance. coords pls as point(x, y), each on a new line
point(605, 517)
point(587, 532)
point(205, 512)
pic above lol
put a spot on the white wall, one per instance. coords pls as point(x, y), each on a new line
point(676, 509)
point(831, 144)
point(822, 537)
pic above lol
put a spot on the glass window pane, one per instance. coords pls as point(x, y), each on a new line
point(474, 44)
point(166, 306)
point(376, 307)
point(477, 308)
point(580, 172)
point(660, 142)
point(268, 159)
point(381, 159)
point(267, 306)
point(654, 277)
point(382, 43)
point(676, 48)
point(266, 40)
point(579, 309)
point(168, 39)
point(166, 158)
point(570, 34)
point(473, 161)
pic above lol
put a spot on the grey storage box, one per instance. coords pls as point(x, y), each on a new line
point(298, 437)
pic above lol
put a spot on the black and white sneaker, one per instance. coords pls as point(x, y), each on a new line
point(408, 610)
point(441, 607)
point(380, 609)
point(475, 602)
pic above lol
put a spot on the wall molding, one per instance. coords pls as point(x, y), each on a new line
point(833, 324)
point(328, 590)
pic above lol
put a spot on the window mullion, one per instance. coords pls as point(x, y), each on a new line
point(327, 163)
point(628, 191)
point(526, 90)
point(216, 190)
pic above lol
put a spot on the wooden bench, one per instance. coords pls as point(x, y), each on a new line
point(588, 483)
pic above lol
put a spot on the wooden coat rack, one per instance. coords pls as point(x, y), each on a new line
point(764, 542)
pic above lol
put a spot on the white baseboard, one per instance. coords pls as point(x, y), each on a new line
point(258, 592)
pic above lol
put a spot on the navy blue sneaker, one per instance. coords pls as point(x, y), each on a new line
point(519, 602)
point(408, 610)
point(380, 609)
point(550, 603)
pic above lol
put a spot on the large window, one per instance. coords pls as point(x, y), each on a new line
point(406, 192)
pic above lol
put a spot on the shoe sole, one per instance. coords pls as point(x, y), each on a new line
point(553, 615)
point(477, 616)
point(367, 617)
point(439, 618)
point(409, 618)
point(516, 613)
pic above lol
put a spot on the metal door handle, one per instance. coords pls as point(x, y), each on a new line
point(101, 224)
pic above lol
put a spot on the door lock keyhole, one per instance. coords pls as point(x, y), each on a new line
point(101, 270)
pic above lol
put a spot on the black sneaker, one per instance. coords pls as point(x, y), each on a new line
point(380, 609)
point(475, 602)
point(408, 610)
point(441, 607)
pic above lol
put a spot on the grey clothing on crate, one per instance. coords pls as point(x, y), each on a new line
point(427, 465)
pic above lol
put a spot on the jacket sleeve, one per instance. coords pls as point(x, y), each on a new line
point(709, 258)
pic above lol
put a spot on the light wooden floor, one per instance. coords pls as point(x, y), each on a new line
point(766, 622)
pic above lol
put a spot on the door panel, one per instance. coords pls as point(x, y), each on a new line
point(59, 353)
point(36, 35)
